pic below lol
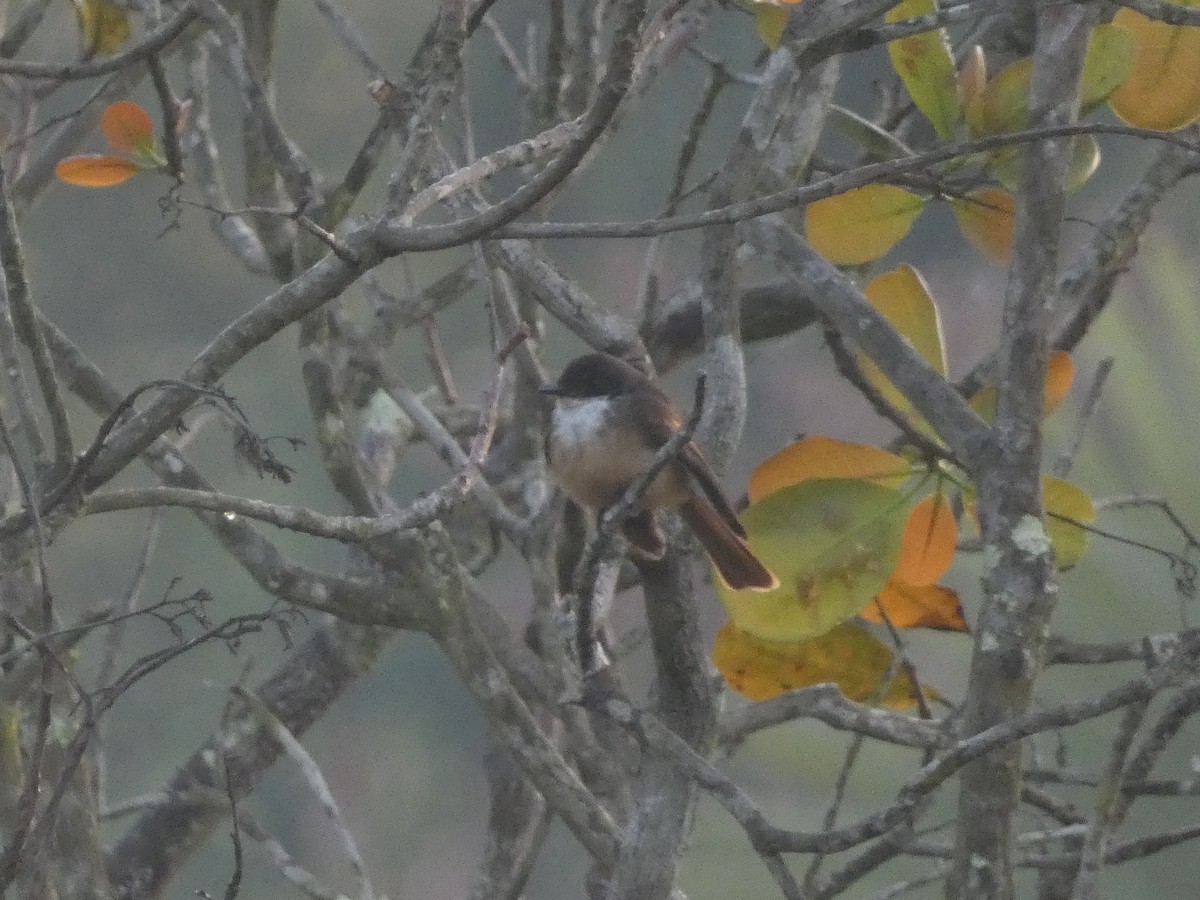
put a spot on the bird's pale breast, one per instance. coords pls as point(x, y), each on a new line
point(595, 461)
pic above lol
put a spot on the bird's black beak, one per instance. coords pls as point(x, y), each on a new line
point(548, 390)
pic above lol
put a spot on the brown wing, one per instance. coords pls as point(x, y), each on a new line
point(658, 410)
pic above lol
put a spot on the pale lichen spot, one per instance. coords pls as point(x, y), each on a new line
point(988, 642)
point(1029, 536)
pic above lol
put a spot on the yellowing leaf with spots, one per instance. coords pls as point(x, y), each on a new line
point(903, 298)
point(861, 224)
point(104, 25)
point(926, 66)
point(986, 218)
point(857, 662)
point(832, 542)
point(95, 170)
point(1162, 91)
point(912, 606)
point(818, 456)
point(1066, 505)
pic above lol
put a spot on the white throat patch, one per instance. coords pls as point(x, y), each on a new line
point(578, 421)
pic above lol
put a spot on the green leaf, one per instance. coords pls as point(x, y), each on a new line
point(833, 542)
point(926, 66)
point(1108, 63)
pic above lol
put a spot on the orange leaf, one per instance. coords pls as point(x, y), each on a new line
point(986, 218)
point(910, 606)
point(1060, 371)
point(857, 662)
point(818, 456)
point(1162, 90)
point(127, 127)
point(929, 541)
point(861, 224)
point(95, 170)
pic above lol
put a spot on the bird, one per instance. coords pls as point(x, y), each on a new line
point(608, 421)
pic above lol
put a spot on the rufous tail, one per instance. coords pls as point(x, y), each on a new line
point(738, 566)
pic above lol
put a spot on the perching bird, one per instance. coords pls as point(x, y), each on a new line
point(608, 421)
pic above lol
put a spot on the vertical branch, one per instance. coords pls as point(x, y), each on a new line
point(266, 151)
point(16, 283)
point(653, 839)
point(1019, 585)
point(238, 237)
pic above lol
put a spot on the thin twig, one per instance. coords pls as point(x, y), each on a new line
point(316, 783)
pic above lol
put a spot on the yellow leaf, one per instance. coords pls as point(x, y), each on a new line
point(95, 170)
point(104, 25)
point(832, 542)
point(854, 660)
point(127, 127)
point(818, 456)
point(1107, 64)
point(928, 544)
point(1162, 91)
point(1065, 505)
point(910, 606)
point(770, 20)
point(986, 218)
point(926, 66)
point(861, 224)
point(903, 298)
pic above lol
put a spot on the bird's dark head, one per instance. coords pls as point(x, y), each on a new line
point(596, 375)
